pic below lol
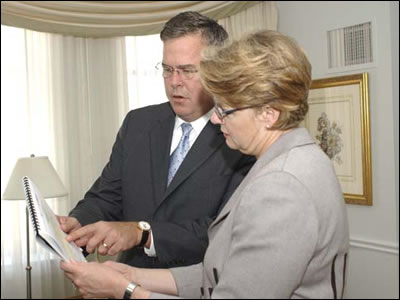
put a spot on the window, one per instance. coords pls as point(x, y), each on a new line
point(145, 84)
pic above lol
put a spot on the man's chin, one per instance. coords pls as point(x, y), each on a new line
point(184, 108)
point(181, 109)
point(180, 106)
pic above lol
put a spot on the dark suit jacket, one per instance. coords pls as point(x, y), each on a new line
point(133, 187)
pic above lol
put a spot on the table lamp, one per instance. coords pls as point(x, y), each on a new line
point(42, 173)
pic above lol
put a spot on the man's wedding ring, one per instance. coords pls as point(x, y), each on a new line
point(105, 245)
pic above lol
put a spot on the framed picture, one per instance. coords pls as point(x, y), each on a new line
point(338, 119)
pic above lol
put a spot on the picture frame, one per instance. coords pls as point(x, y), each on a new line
point(338, 119)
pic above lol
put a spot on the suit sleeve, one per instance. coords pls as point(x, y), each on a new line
point(186, 241)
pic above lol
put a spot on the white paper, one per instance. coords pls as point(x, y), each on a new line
point(49, 233)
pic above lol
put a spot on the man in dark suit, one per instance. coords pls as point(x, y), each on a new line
point(170, 171)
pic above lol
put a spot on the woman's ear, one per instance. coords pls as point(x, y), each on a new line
point(270, 116)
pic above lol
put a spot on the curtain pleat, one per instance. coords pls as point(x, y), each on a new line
point(108, 18)
point(264, 15)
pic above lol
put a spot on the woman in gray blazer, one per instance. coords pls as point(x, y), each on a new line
point(284, 232)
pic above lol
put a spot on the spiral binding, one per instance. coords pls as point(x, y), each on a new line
point(31, 205)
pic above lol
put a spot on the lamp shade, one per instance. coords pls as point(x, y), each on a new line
point(41, 172)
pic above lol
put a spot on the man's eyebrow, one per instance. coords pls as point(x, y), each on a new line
point(180, 66)
point(185, 66)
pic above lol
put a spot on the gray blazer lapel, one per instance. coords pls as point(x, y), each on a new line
point(294, 138)
point(160, 144)
point(209, 140)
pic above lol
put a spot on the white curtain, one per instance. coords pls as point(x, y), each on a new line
point(108, 18)
point(65, 98)
point(263, 15)
point(145, 83)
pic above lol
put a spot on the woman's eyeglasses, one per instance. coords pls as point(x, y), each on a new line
point(186, 72)
point(223, 113)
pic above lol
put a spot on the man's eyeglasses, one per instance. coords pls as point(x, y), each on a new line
point(223, 113)
point(186, 72)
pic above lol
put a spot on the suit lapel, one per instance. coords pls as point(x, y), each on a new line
point(232, 201)
point(209, 140)
point(160, 144)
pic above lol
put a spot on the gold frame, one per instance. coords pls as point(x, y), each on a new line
point(338, 119)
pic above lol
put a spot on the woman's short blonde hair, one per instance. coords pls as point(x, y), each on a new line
point(263, 68)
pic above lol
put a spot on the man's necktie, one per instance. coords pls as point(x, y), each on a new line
point(180, 152)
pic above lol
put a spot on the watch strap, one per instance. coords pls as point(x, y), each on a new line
point(129, 290)
point(145, 237)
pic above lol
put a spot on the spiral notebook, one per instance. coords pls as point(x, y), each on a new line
point(46, 227)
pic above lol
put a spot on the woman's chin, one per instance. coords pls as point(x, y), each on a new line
point(230, 144)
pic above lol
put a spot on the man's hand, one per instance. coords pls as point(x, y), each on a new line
point(109, 237)
point(68, 224)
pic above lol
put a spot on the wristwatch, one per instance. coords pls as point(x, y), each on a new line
point(145, 228)
point(129, 290)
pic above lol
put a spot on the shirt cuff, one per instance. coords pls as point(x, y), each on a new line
point(152, 250)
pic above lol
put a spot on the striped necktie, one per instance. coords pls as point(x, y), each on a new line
point(180, 152)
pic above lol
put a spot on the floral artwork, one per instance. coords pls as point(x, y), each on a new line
point(338, 119)
point(330, 138)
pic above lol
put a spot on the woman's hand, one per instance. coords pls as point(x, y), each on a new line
point(95, 280)
point(130, 273)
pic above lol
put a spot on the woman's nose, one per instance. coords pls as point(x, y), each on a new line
point(215, 119)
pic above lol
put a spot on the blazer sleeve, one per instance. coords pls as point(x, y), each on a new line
point(273, 237)
point(188, 281)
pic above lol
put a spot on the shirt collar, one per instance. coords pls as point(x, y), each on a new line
point(197, 125)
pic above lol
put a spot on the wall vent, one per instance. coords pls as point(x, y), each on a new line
point(350, 45)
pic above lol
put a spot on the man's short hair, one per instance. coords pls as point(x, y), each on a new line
point(191, 23)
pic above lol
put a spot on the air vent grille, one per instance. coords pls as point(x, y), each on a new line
point(350, 45)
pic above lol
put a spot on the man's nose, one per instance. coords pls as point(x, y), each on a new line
point(176, 78)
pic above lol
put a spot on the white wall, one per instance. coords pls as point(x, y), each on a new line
point(394, 19)
point(374, 230)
